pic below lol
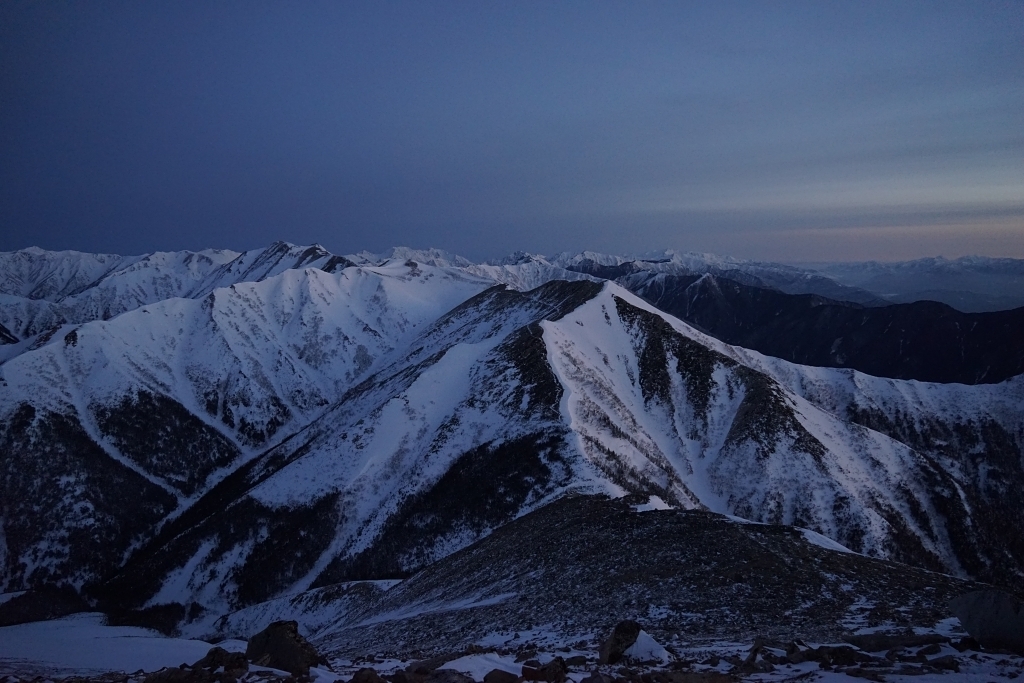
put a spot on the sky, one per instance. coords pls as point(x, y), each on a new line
point(786, 131)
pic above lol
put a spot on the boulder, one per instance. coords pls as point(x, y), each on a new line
point(861, 672)
point(218, 666)
point(425, 666)
point(554, 671)
point(500, 676)
point(699, 677)
point(180, 674)
point(623, 636)
point(598, 677)
point(280, 646)
point(993, 618)
point(964, 644)
point(839, 655)
point(404, 677)
point(448, 676)
point(947, 662)
point(235, 664)
point(366, 675)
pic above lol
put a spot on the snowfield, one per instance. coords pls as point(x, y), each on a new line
point(83, 645)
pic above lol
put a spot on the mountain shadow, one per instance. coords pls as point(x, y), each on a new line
point(925, 340)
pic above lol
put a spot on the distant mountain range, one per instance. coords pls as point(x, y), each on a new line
point(219, 429)
point(970, 283)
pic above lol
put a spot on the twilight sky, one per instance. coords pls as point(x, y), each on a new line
point(787, 131)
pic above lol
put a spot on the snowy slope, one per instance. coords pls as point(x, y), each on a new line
point(456, 414)
point(83, 645)
point(51, 275)
point(173, 393)
point(733, 439)
point(43, 290)
point(288, 345)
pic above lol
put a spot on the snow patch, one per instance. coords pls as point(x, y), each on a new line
point(814, 538)
point(83, 642)
point(478, 666)
point(653, 503)
point(647, 649)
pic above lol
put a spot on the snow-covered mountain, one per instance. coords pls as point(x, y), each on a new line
point(788, 279)
point(924, 340)
point(969, 283)
point(320, 419)
point(41, 291)
point(173, 395)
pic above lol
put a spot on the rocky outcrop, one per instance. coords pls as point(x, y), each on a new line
point(234, 663)
point(218, 666)
point(280, 646)
point(38, 605)
point(622, 638)
point(994, 618)
point(366, 675)
point(554, 671)
point(500, 676)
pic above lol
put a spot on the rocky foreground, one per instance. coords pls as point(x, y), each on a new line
point(602, 590)
point(570, 571)
point(628, 655)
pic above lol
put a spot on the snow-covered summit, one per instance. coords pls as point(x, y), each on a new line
point(516, 258)
point(650, 258)
point(430, 257)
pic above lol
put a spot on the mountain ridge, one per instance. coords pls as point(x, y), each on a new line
point(924, 340)
point(315, 427)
